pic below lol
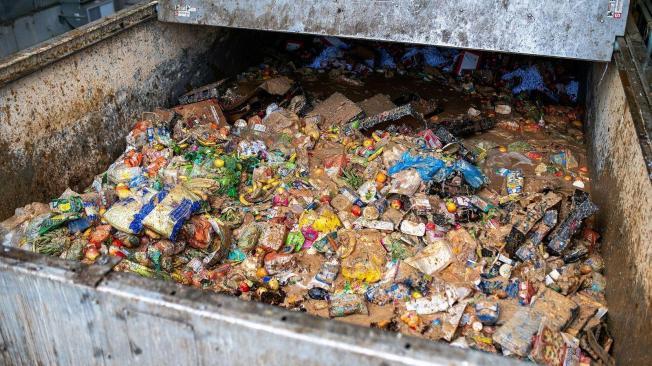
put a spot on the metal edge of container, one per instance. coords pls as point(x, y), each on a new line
point(633, 75)
point(580, 29)
point(220, 328)
point(42, 54)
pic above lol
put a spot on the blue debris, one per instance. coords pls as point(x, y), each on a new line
point(531, 80)
point(571, 89)
point(330, 53)
point(432, 56)
point(426, 166)
point(327, 55)
point(472, 175)
point(386, 60)
point(430, 168)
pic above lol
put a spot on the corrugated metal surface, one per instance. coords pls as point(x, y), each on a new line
point(583, 29)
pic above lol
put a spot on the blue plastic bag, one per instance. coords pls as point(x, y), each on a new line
point(472, 175)
point(386, 60)
point(426, 166)
point(327, 55)
point(430, 168)
point(432, 56)
point(531, 79)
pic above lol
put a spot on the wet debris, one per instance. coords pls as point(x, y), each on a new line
point(317, 181)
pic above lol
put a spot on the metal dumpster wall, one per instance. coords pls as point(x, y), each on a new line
point(66, 121)
point(623, 191)
point(583, 29)
point(65, 313)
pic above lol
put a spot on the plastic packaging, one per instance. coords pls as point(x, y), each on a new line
point(561, 236)
point(433, 258)
point(343, 304)
point(472, 175)
point(168, 210)
point(426, 166)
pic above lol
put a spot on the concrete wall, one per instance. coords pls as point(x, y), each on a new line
point(623, 191)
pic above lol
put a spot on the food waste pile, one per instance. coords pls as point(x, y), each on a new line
point(438, 193)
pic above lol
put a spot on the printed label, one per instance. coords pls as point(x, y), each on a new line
point(615, 9)
point(183, 10)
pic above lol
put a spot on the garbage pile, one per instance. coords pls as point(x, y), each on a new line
point(463, 217)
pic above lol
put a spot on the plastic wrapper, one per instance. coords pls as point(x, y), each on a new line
point(543, 227)
point(326, 222)
point(472, 175)
point(487, 312)
point(327, 274)
point(514, 183)
point(129, 266)
point(276, 263)
point(78, 225)
point(295, 239)
point(413, 228)
point(344, 304)
point(554, 348)
point(251, 148)
point(24, 223)
point(120, 172)
point(65, 205)
point(367, 260)
point(248, 237)
point(561, 236)
point(198, 232)
point(326, 243)
point(273, 236)
point(426, 166)
point(515, 335)
point(167, 211)
point(367, 192)
point(432, 258)
point(55, 221)
point(565, 159)
point(405, 182)
point(122, 215)
point(428, 305)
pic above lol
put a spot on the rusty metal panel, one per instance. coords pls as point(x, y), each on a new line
point(65, 121)
point(582, 29)
point(50, 315)
point(34, 58)
point(622, 188)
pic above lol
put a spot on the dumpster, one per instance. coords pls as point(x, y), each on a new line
point(67, 105)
